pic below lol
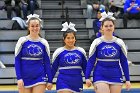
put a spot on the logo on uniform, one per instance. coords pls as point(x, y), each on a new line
point(34, 50)
point(109, 51)
point(71, 58)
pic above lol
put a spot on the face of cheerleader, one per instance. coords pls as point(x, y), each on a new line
point(108, 28)
point(34, 27)
point(70, 41)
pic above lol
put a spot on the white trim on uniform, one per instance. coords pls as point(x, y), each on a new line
point(108, 60)
point(35, 84)
point(115, 83)
point(70, 67)
point(26, 58)
point(67, 90)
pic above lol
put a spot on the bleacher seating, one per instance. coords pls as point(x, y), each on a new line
point(6, 24)
point(12, 35)
point(50, 11)
point(3, 12)
point(8, 76)
point(118, 23)
point(135, 57)
point(7, 59)
point(133, 45)
point(128, 33)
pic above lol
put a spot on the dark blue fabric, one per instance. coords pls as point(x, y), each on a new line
point(32, 6)
point(25, 10)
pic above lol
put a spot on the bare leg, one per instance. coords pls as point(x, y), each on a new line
point(27, 90)
point(21, 90)
point(102, 88)
point(39, 88)
point(115, 88)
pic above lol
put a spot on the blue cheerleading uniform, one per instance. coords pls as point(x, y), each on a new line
point(109, 59)
point(70, 64)
point(32, 61)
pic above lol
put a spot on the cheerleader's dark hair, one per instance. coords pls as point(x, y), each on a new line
point(68, 28)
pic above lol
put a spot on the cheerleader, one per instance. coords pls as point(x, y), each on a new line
point(70, 61)
point(32, 59)
point(107, 59)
